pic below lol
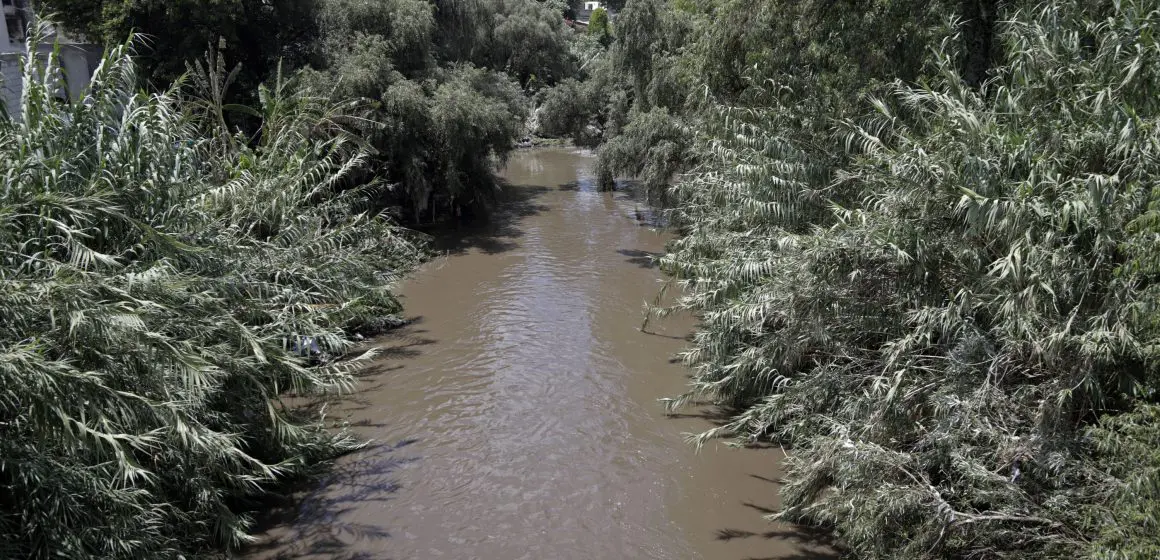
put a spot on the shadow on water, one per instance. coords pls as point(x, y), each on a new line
point(647, 212)
point(686, 338)
point(714, 415)
point(810, 542)
point(495, 232)
point(405, 342)
point(315, 518)
point(767, 479)
point(583, 184)
point(314, 509)
point(643, 259)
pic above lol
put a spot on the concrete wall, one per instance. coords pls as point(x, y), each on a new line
point(77, 60)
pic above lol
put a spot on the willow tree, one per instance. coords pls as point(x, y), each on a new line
point(448, 80)
point(599, 25)
point(163, 289)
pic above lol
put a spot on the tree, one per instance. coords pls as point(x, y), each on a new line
point(529, 41)
point(599, 26)
point(258, 34)
point(442, 85)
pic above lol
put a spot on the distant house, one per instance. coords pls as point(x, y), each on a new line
point(77, 58)
point(585, 15)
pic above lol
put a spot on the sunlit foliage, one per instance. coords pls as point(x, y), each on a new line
point(407, 56)
point(164, 284)
point(933, 286)
point(599, 25)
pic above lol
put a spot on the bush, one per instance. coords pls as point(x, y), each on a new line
point(164, 284)
point(599, 25)
point(932, 303)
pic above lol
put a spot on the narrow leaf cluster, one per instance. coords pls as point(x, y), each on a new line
point(935, 297)
point(163, 285)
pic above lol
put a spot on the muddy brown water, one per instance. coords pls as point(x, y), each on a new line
point(517, 417)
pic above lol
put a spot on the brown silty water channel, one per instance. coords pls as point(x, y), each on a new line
point(517, 416)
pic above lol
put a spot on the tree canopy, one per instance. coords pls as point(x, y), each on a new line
point(447, 81)
point(258, 34)
point(432, 67)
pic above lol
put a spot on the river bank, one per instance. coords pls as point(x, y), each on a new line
point(517, 415)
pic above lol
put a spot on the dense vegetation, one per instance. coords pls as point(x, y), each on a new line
point(446, 78)
point(445, 123)
point(920, 237)
point(164, 283)
point(256, 34)
point(186, 246)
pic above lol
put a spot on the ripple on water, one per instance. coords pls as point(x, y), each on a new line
point(525, 396)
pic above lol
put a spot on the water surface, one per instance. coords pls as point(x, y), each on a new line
point(517, 417)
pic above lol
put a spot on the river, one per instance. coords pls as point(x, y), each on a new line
point(517, 416)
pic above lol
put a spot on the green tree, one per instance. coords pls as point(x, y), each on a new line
point(1128, 448)
point(368, 49)
point(599, 26)
point(446, 88)
point(527, 39)
point(258, 34)
point(821, 55)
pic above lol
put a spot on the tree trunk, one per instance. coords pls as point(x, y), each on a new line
point(979, 17)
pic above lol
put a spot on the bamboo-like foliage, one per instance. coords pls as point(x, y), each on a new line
point(934, 323)
point(162, 287)
point(674, 59)
point(1128, 448)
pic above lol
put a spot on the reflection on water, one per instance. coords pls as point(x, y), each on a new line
point(516, 416)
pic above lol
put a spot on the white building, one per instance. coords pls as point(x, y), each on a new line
point(77, 58)
point(585, 15)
